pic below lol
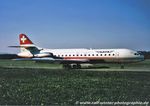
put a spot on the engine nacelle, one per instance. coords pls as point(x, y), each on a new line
point(40, 55)
point(30, 55)
point(25, 55)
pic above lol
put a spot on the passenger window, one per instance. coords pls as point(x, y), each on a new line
point(109, 54)
point(92, 54)
point(105, 54)
point(84, 54)
point(101, 55)
point(81, 55)
point(96, 54)
point(89, 55)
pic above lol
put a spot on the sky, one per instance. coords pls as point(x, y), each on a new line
point(76, 23)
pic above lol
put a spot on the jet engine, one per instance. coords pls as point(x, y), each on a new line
point(38, 55)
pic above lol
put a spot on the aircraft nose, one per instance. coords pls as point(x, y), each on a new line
point(141, 58)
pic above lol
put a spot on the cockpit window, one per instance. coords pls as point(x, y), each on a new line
point(136, 54)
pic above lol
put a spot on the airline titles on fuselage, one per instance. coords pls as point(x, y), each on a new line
point(105, 51)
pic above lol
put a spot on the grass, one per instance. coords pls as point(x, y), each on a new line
point(31, 64)
point(45, 86)
point(27, 64)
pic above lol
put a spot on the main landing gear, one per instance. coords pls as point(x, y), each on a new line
point(122, 66)
point(71, 66)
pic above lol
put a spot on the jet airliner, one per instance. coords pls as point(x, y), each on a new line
point(73, 58)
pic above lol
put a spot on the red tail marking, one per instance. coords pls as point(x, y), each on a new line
point(24, 39)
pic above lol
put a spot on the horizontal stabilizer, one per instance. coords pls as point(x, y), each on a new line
point(23, 46)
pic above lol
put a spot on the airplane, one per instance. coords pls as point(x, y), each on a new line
point(73, 58)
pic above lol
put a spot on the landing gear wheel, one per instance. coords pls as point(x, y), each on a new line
point(69, 66)
point(122, 67)
point(78, 66)
point(66, 66)
point(74, 66)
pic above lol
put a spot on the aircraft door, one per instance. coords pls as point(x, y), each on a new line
point(116, 57)
point(117, 54)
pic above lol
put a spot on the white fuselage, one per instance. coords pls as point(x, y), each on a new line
point(75, 56)
point(97, 55)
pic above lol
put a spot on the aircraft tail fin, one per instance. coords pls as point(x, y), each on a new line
point(24, 40)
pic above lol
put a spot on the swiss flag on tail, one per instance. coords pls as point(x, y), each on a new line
point(24, 39)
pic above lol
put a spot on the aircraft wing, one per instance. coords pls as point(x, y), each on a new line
point(54, 60)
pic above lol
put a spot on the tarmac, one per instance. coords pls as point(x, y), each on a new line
point(126, 69)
